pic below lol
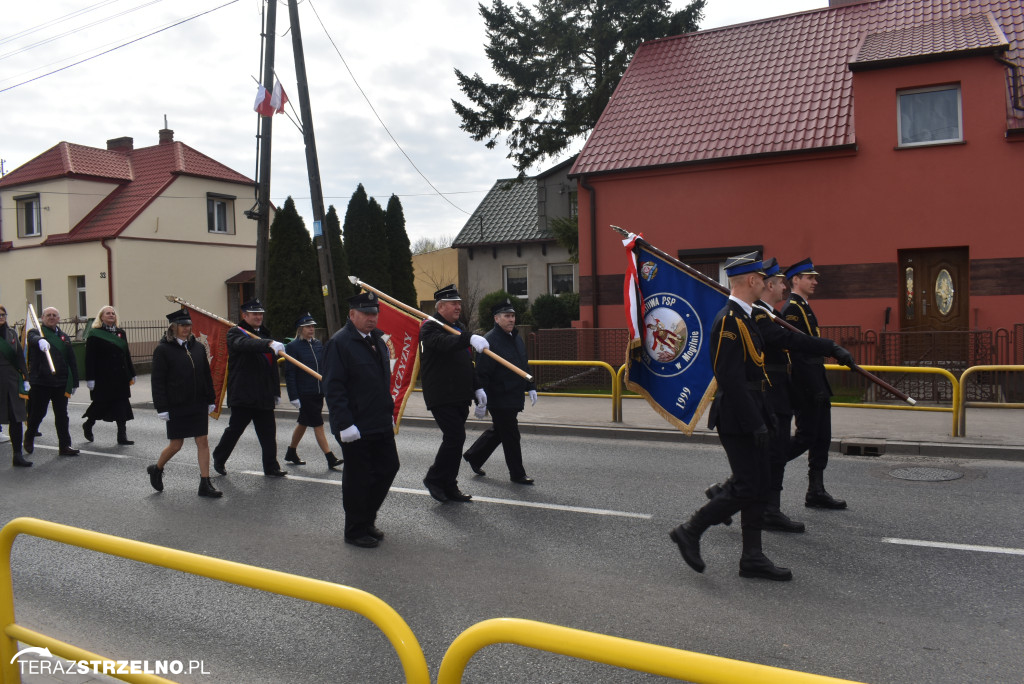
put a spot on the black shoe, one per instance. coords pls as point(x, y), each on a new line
point(822, 499)
point(332, 461)
point(366, 541)
point(435, 491)
point(761, 568)
point(87, 430)
point(29, 444)
point(218, 465)
point(292, 456)
point(713, 491)
point(780, 522)
point(67, 451)
point(122, 439)
point(478, 470)
point(20, 462)
point(275, 473)
point(454, 494)
point(375, 532)
point(206, 488)
point(689, 546)
point(156, 477)
point(523, 480)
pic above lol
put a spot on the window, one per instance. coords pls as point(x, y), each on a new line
point(34, 294)
point(574, 204)
point(515, 281)
point(560, 278)
point(220, 213)
point(29, 217)
point(76, 288)
point(930, 115)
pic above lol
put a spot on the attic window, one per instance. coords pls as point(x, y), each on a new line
point(220, 213)
point(29, 216)
point(929, 116)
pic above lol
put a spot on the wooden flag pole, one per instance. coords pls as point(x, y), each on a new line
point(32, 318)
point(721, 288)
point(286, 357)
point(424, 317)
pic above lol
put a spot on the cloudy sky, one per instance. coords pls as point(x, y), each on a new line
point(199, 75)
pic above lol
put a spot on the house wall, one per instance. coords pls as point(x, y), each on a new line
point(64, 203)
point(54, 267)
point(485, 271)
point(432, 271)
point(844, 208)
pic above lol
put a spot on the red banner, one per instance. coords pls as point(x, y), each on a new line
point(213, 334)
point(402, 335)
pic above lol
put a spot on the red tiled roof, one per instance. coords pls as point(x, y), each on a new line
point(954, 36)
point(766, 87)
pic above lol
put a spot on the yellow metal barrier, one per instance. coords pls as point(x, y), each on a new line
point(599, 648)
point(316, 591)
point(960, 418)
point(616, 386)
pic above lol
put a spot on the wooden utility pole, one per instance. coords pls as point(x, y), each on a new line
point(263, 190)
point(316, 193)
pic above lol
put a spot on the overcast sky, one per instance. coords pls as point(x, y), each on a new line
point(199, 74)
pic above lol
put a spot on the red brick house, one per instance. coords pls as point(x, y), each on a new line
point(884, 139)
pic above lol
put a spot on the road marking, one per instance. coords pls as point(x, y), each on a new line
point(83, 451)
point(957, 547)
point(484, 499)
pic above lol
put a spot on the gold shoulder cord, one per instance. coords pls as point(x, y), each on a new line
point(748, 343)
point(817, 331)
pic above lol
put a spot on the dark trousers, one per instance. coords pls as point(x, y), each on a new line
point(451, 418)
point(746, 491)
point(813, 432)
point(266, 432)
point(40, 398)
point(504, 431)
point(14, 429)
point(371, 464)
point(779, 453)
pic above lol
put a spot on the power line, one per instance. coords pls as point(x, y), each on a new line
point(54, 22)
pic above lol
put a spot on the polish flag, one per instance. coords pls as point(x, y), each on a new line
point(269, 103)
point(279, 97)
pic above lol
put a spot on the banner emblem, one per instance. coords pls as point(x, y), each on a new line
point(673, 334)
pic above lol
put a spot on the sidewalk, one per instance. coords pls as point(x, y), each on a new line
point(991, 433)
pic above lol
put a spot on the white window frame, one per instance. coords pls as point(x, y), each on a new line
point(77, 283)
point(551, 278)
point(34, 292)
point(29, 205)
point(504, 280)
point(215, 223)
point(958, 138)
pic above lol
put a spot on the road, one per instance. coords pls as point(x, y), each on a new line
point(587, 547)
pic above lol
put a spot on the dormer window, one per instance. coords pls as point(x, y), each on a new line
point(220, 213)
point(930, 116)
point(29, 216)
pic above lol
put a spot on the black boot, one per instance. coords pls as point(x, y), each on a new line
point(333, 462)
point(753, 562)
point(20, 462)
point(122, 434)
point(775, 519)
point(156, 477)
point(87, 429)
point(713, 491)
point(206, 488)
point(687, 538)
point(291, 456)
point(817, 497)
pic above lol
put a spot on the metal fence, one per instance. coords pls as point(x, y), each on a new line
point(574, 344)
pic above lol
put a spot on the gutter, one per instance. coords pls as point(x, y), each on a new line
point(110, 271)
point(593, 246)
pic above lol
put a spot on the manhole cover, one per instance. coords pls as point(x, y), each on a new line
point(926, 474)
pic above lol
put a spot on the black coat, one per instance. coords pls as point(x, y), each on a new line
point(39, 370)
point(446, 365)
point(810, 385)
point(298, 381)
point(181, 375)
point(779, 344)
point(736, 345)
point(357, 382)
point(253, 379)
point(503, 387)
point(110, 368)
point(11, 378)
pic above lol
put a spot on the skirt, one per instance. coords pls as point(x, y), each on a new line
point(188, 421)
point(310, 410)
point(111, 411)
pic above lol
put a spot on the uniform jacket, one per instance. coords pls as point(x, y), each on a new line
point(300, 382)
point(39, 369)
point(109, 366)
point(503, 387)
point(11, 377)
point(446, 365)
point(779, 343)
point(253, 379)
point(181, 375)
point(809, 381)
point(357, 382)
point(738, 361)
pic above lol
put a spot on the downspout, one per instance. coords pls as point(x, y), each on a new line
point(593, 247)
point(110, 271)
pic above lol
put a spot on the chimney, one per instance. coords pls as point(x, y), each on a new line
point(125, 144)
point(166, 136)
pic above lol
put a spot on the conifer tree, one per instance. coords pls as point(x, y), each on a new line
point(403, 282)
point(293, 286)
point(339, 259)
point(356, 234)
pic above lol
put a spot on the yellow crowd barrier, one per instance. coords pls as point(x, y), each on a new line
point(960, 418)
point(304, 588)
point(616, 395)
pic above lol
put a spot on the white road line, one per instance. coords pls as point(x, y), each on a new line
point(484, 499)
point(957, 547)
point(83, 451)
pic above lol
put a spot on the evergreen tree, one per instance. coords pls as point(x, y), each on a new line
point(380, 261)
point(342, 286)
point(403, 281)
point(293, 286)
point(357, 235)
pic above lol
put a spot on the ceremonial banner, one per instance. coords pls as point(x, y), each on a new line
point(402, 334)
point(669, 313)
point(214, 335)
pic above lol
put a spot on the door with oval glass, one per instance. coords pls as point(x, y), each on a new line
point(934, 299)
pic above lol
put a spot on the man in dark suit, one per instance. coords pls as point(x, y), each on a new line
point(357, 387)
point(449, 383)
point(740, 414)
point(812, 395)
point(50, 387)
point(504, 391)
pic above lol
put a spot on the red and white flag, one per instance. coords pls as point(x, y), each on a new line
point(269, 103)
point(214, 336)
point(402, 335)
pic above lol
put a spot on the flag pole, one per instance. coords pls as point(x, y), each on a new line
point(721, 288)
point(35, 321)
point(423, 317)
point(286, 357)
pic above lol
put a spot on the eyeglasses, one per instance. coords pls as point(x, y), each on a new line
point(3, 315)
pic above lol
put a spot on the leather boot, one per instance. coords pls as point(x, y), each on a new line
point(333, 462)
point(753, 562)
point(713, 491)
point(20, 462)
point(292, 456)
point(122, 434)
point(775, 519)
point(156, 477)
point(206, 488)
point(817, 497)
point(87, 429)
point(687, 538)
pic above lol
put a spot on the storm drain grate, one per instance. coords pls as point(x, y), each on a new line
point(926, 474)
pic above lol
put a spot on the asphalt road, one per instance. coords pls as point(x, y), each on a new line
point(587, 547)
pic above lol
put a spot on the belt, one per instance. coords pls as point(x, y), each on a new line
point(786, 368)
point(758, 385)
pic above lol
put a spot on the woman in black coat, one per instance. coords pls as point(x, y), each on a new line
point(109, 375)
point(13, 386)
point(183, 397)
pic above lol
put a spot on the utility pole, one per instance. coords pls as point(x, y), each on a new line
point(263, 190)
point(316, 193)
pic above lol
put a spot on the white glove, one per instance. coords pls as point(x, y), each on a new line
point(164, 416)
point(481, 397)
point(26, 386)
point(210, 408)
point(277, 347)
point(349, 434)
point(91, 384)
point(533, 397)
point(43, 344)
point(480, 411)
point(296, 403)
point(479, 343)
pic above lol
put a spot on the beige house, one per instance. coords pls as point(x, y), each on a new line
point(432, 271)
point(83, 227)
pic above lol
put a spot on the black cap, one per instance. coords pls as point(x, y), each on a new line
point(448, 292)
point(804, 267)
point(253, 306)
point(179, 317)
point(743, 263)
point(503, 307)
point(366, 302)
point(305, 319)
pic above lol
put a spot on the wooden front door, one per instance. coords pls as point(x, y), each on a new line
point(934, 288)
